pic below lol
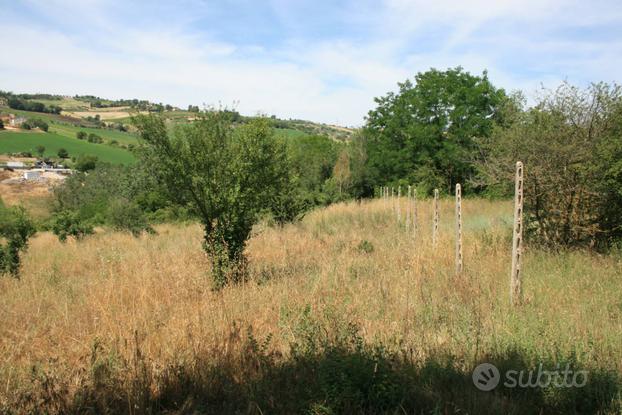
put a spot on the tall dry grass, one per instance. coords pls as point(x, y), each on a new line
point(113, 310)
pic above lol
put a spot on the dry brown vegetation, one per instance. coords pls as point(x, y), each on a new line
point(131, 324)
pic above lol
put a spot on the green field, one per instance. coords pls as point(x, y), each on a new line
point(69, 131)
point(16, 142)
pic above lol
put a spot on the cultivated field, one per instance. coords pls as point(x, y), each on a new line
point(346, 312)
point(16, 142)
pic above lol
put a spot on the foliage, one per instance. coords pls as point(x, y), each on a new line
point(69, 224)
point(15, 230)
point(81, 135)
point(86, 162)
point(40, 150)
point(24, 105)
point(124, 215)
point(227, 176)
point(1, 125)
point(571, 146)
point(38, 123)
point(94, 138)
point(424, 133)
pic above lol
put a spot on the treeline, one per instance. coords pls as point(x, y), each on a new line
point(451, 127)
point(26, 105)
point(138, 104)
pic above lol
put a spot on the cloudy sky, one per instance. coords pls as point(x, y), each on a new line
point(320, 60)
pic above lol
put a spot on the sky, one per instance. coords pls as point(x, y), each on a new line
point(318, 60)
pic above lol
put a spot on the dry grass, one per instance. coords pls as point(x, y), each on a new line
point(116, 293)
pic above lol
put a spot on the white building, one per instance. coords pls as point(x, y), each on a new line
point(32, 175)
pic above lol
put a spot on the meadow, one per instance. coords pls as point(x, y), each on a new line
point(16, 142)
point(347, 311)
point(69, 131)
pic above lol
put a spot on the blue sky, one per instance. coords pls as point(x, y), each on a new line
point(319, 60)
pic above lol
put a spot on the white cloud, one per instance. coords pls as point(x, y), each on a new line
point(92, 51)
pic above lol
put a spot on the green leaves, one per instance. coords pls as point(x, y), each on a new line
point(15, 230)
point(227, 175)
point(425, 132)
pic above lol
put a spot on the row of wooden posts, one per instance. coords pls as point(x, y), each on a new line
point(517, 238)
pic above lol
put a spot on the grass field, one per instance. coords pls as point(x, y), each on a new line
point(70, 131)
point(345, 312)
point(15, 142)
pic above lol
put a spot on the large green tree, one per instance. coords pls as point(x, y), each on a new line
point(228, 176)
point(425, 132)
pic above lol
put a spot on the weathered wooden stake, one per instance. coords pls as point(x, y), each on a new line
point(435, 220)
point(458, 229)
point(414, 211)
point(517, 238)
point(399, 207)
point(408, 209)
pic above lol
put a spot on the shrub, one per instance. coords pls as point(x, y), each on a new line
point(86, 162)
point(62, 153)
point(127, 216)
point(66, 224)
point(571, 147)
point(94, 138)
point(81, 135)
point(229, 177)
point(15, 230)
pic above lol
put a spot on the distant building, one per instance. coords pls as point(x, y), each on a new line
point(32, 175)
point(15, 164)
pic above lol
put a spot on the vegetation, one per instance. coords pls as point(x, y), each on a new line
point(67, 224)
point(571, 145)
point(227, 177)
point(321, 326)
point(15, 230)
point(424, 133)
point(19, 142)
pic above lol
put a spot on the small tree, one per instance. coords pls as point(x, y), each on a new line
point(62, 153)
point(66, 224)
point(1, 125)
point(81, 135)
point(86, 162)
point(227, 176)
point(15, 230)
point(40, 150)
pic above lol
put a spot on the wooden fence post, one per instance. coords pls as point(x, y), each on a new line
point(517, 237)
point(435, 220)
point(458, 229)
point(408, 208)
point(399, 207)
point(414, 211)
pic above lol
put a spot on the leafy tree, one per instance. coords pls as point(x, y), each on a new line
point(86, 162)
point(229, 177)
point(94, 138)
point(40, 150)
point(69, 224)
point(15, 230)
point(39, 123)
point(62, 153)
point(81, 135)
point(571, 147)
point(1, 125)
point(424, 133)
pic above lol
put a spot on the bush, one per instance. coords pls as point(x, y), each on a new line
point(40, 124)
point(81, 135)
point(86, 162)
point(66, 224)
point(15, 230)
point(62, 153)
point(94, 138)
point(127, 216)
point(1, 125)
point(571, 147)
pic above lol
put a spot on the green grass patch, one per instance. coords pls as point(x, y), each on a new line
point(69, 131)
point(16, 142)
